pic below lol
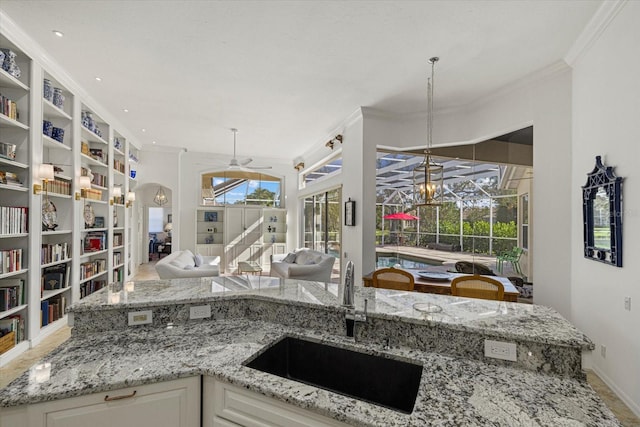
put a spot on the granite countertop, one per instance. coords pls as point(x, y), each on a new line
point(502, 319)
point(453, 391)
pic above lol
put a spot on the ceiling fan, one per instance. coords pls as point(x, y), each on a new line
point(235, 164)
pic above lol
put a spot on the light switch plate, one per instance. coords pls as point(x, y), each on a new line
point(500, 350)
point(140, 317)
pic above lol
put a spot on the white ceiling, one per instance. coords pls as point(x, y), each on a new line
point(287, 73)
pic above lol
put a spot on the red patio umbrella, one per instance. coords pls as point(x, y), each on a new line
point(400, 216)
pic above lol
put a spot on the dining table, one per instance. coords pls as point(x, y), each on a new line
point(440, 283)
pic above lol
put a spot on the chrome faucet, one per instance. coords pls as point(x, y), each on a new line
point(349, 285)
point(353, 317)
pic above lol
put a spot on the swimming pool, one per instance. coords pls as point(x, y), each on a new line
point(406, 261)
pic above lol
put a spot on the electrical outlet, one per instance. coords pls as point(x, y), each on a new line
point(199, 312)
point(500, 350)
point(140, 317)
point(627, 303)
point(603, 351)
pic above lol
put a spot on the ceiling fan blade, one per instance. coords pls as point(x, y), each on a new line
point(246, 161)
point(259, 167)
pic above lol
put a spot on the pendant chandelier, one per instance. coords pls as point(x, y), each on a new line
point(428, 176)
point(160, 198)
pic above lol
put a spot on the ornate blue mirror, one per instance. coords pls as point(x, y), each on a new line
point(602, 215)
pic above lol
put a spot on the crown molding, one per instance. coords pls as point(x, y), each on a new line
point(594, 29)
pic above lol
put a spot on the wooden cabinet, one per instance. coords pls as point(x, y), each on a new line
point(227, 405)
point(171, 404)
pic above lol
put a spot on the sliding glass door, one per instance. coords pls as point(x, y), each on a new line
point(322, 225)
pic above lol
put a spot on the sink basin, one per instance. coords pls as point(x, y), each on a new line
point(375, 379)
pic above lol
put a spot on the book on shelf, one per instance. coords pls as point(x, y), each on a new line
point(12, 293)
point(55, 252)
point(10, 178)
point(91, 286)
point(55, 277)
point(14, 219)
point(10, 260)
point(95, 241)
point(11, 329)
point(52, 309)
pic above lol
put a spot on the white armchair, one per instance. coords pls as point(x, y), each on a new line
point(304, 264)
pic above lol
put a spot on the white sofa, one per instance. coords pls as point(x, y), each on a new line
point(182, 264)
point(303, 264)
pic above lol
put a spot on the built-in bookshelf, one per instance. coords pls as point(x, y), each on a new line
point(210, 231)
point(56, 239)
point(60, 239)
point(15, 199)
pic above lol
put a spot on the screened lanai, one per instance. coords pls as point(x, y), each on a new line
point(484, 210)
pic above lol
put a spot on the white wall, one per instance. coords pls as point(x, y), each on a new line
point(606, 103)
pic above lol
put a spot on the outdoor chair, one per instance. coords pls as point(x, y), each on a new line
point(513, 257)
point(393, 278)
point(477, 287)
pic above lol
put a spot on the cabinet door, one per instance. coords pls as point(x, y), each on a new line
point(234, 226)
point(222, 401)
point(171, 404)
point(253, 226)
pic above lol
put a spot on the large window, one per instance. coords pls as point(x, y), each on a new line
point(240, 188)
point(479, 213)
point(322, 225)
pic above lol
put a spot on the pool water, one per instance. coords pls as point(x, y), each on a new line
point(405, 261)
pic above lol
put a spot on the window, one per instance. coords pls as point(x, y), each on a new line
point(323, 170)
point(240, 188)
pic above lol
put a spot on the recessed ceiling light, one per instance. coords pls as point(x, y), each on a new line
point(144, 130)
point(125, 110)
point(98, 79)
point(153, 142)
point(58, 33)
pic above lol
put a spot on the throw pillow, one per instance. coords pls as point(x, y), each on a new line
point(290, 258)
point(305, 258)
point(189, 267)
point(185, 258)
point(198, 260)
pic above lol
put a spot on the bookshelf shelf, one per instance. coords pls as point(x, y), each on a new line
point(13, 163)
point(14, 187)
point(48, 294)
point(91, 136)
point(55, 232)
point(94, 253)
point(7, 80)
point(12, 311)
point(13, 273)
point(10, 354)
point(6, 122)
point(92, 161)
point(13, 236)
point(51, 264)
point(53, 111)
point(49, 142)
point(102, 273)
point(115, 267)
point(53, 326)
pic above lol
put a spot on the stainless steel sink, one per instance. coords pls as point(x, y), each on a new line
point(375, 379)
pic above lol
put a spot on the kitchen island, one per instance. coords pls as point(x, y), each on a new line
point(459, 386)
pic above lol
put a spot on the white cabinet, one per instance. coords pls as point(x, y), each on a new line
point(243, 236)
point(171, 404)
point(226, 405)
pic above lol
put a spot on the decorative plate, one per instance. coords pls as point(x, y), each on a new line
point(435, 276)
point(89, 216)
point(49, 215)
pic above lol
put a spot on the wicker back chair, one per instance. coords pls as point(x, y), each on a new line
point(477, 287)
point(393, 278)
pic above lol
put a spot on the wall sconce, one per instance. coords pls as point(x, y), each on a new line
point(337, 139)
point(117, 195)
point(299, 166)
point(131, 197)
point(46, 174)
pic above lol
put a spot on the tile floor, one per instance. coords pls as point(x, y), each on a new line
point(147, 272)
